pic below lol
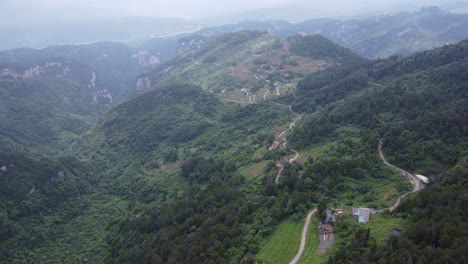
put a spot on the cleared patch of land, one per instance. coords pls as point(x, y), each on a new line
point(282, 246)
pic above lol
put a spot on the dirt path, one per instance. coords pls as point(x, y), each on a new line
point(234, 101)
point(297, 117)
point(295, 157)
point(304, 237)
point(376, 84)
point(417, 186)
point(264, 96)
point(278, 176)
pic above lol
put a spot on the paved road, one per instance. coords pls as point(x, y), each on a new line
point(303, 238)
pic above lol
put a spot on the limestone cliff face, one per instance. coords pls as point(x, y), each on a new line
point(59, 69)
point(55, 71)
point(144, 58)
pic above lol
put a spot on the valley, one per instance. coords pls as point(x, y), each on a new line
point(231, 151)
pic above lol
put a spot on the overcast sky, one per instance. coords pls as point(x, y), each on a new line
point(42, 9)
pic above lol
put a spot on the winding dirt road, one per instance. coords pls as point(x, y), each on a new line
point(417, 186)
point(295, 157)
point(264, 95)
point(304, 237)
point(291, 126)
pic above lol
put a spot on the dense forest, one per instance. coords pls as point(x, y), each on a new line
point(179, 174)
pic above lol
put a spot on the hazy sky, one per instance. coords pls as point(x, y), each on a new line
point(43, 9)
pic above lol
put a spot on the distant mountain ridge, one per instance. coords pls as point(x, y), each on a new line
point(380, 36)
point(127, 29)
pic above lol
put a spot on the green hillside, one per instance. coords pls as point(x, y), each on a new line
point(46, 102)
point(417, 105)
point(256, 61)
point(118, 64)
point(225, 148)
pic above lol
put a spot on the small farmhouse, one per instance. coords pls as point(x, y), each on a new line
point(362, 215)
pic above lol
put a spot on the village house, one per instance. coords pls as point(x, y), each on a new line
point(362, 215)
point(274, 145)
point(245, 90)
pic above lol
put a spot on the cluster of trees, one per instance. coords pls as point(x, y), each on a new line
point(33, 186)
point(215, 221)
point(319, 47)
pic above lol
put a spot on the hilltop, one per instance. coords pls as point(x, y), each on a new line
point(251, 63)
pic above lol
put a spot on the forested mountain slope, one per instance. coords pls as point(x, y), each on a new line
point(187, 171)
point(48, 98)
point(417, 106)
point(44, 98)
point(117, 63)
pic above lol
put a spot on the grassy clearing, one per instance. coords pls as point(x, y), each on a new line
point(371, 191)
point(255, 169)
point(310, 255)
point(380, 225)
point(283, 245)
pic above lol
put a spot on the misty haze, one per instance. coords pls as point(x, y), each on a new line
point(269, 131)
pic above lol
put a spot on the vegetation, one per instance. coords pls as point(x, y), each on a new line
point(179, 174)
point(320, 47)
point(246, 59)
point(434, 232)
point(396, 99)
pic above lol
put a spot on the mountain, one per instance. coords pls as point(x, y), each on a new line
point(397, 34)
point(63, 88)
point(48, 98)
point(154, 135)
point(416, 107)
point(127, 29)
point(248, 61)
point(392, 105)
point(222, 145)
point(347, 108)
point(59, 96)
point(117, 63)
point(381, 36)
